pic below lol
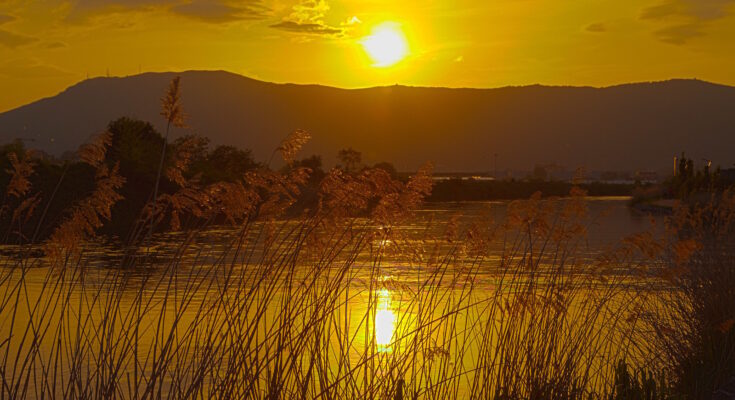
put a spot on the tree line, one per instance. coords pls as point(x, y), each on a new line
point(136, 148)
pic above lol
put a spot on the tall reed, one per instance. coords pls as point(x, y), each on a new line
point(297, 308)
point(339, 302)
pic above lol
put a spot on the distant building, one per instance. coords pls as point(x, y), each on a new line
point(647, 176)
point(614, 176)
point(463, 176)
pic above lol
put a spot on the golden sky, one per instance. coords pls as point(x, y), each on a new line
point(47, 45)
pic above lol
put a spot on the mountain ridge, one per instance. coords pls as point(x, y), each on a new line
point(459, 128)
point(532, 85)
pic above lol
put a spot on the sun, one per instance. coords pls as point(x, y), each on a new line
point(386, 45)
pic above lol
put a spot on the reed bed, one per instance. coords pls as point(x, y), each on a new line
point(337, 302)
point(298, 308)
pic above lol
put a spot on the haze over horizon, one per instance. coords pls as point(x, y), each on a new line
point(50, 45)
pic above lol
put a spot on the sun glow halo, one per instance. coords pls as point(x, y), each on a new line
point(386, 45)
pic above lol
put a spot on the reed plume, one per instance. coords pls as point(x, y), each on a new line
point(88, 214)
point(95, 151)
point(292, 144)
point(23, 213)
point(185, 148)
point(20, 172)
point(397, 205)
point(689, 326)
point(171, 108)
point(18, 188)
point(173, 112)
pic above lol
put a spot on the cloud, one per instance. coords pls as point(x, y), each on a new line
point(6, 18)
point(702, 10)
point(598, 27)
point(316, 28)
point(55, 45)
point(679, 34)
point(686, 19)
point(30, 69)
point(310, 10)
point(662, 10)
point(352, 21)
point(307, 17)
point(211, 11)
point(216, 11)
point(82, 10)
point(13, 40)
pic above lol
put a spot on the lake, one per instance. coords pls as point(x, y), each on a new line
point(451, 302)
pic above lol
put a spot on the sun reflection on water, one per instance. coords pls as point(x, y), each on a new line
point(385, 322)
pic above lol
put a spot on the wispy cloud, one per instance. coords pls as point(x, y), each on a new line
point(598, 27)
point(55, 45)
point(703, 10)
point(661, 10)
point(211, 11)
point(680, 34)
point(82, 10)
point(13, 40)
point(4, 18)
point(30, 69)
point(217, 11)
point(686, 19)
point(306, 27)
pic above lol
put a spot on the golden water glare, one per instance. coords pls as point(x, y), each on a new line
point(385, 322)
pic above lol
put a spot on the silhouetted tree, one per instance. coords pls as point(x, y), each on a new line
point(350, 160)
point(225, 164)
point(137, 146)
point(199, 149)
point(540, 173)
point(16, 146)
point(314, 163)
point(387, 167)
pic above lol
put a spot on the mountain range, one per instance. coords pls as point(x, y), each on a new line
point(628, 127)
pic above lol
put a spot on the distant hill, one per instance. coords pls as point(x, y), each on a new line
point(627, 127)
